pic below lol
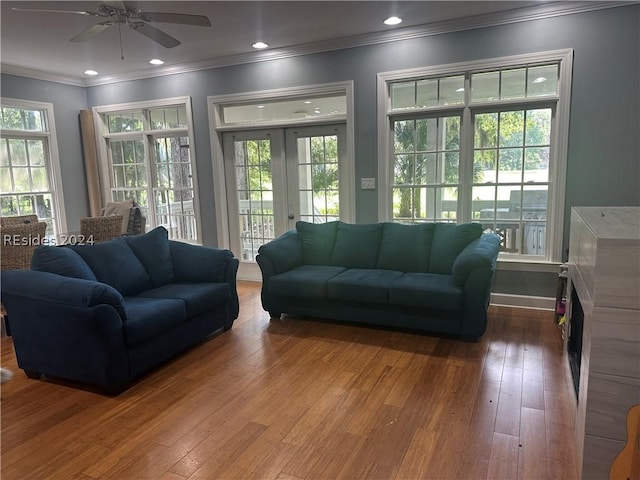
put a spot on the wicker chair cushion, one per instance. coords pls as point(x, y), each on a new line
point(120, 208)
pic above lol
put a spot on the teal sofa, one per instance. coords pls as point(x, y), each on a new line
point(433, 277)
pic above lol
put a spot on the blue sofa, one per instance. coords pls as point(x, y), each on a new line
point(107, 313)
point(434, 277)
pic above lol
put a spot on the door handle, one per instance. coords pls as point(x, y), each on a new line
point(291, 216)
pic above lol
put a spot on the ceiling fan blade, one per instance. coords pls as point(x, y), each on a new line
point(154, 34)
point(90, 32)
point(164, 17)
point(47, 10)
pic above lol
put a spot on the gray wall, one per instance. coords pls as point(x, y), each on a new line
point(604, 149)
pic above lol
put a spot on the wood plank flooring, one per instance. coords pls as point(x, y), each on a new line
point(295, 399)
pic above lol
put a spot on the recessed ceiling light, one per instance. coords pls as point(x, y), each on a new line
point(307, 102)
point(461, 89)
point(260, 45)
point(259, 106)
point(539, 79)
point(393, 21)
point(156, 61)
point(90, 72)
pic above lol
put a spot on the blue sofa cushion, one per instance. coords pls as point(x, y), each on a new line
point(405, 247)
point(148, 317)
point(62, 261)
point(198, 297)
point(305, 281)
point(357, 245)
point(427, 290)
point(448, 241)
point(318, 240)
point(115, 264)
point(362, 285)
point(195, 263)
point(152, 249)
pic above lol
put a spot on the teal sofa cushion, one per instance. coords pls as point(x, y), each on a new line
point(427, 290)
point(305, 281)
point(62, 261)
point(115, 264)
point(318, 240)
point(405, 247)
point(152, 249)
point(448, 241)
point(367, 285)
point(357, 245)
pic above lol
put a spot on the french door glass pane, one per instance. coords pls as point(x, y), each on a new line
point(318, 179)
point(255, 195)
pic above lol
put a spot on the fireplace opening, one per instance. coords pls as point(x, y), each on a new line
point(574, 343)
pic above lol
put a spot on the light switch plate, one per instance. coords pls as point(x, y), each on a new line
point(368, 183)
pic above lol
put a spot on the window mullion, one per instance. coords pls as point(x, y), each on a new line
point(466, 166)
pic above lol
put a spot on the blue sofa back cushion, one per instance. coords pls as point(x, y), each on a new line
point(317, 240)
point(62, 261)
point(449, 240)
point(115, 264)
point(357, 245)
point(195, 263)
point(152, 249)
point(405, 247)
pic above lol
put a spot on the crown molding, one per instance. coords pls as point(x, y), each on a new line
point(536, 12)
point(18, 71)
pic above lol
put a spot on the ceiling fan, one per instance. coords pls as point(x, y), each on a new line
point(117, 13)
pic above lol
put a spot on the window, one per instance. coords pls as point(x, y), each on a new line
point(146, 153)
point(30, 181)
point(483, 142)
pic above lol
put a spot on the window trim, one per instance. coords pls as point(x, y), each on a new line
point(51, 136)
point(102, 134)
point(559, 141)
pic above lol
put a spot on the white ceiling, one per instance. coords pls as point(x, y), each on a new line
point(39, 41)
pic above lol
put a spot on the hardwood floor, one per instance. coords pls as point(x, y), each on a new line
point(299, 399)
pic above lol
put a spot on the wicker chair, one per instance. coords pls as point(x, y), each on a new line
point(100, 229)
point(18, 220)
point(19, 240)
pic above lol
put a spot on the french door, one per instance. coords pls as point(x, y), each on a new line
point(276, 177)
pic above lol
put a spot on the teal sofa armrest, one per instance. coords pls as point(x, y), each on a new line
point(481, 253)
point(280, 255)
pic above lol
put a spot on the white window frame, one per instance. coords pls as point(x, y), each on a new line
point(559, 140)
point(216, 105)
point(102, 134)
point(52, 157)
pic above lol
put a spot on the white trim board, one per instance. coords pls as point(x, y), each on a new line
point(523, 301)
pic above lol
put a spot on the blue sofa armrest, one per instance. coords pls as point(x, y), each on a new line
point(481, 253)
point(281, 254)
point(67, 327)
point(32, 285)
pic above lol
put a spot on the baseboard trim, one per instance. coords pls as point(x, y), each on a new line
point(523, 301)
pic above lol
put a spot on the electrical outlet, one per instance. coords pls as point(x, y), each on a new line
point(368, 183)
